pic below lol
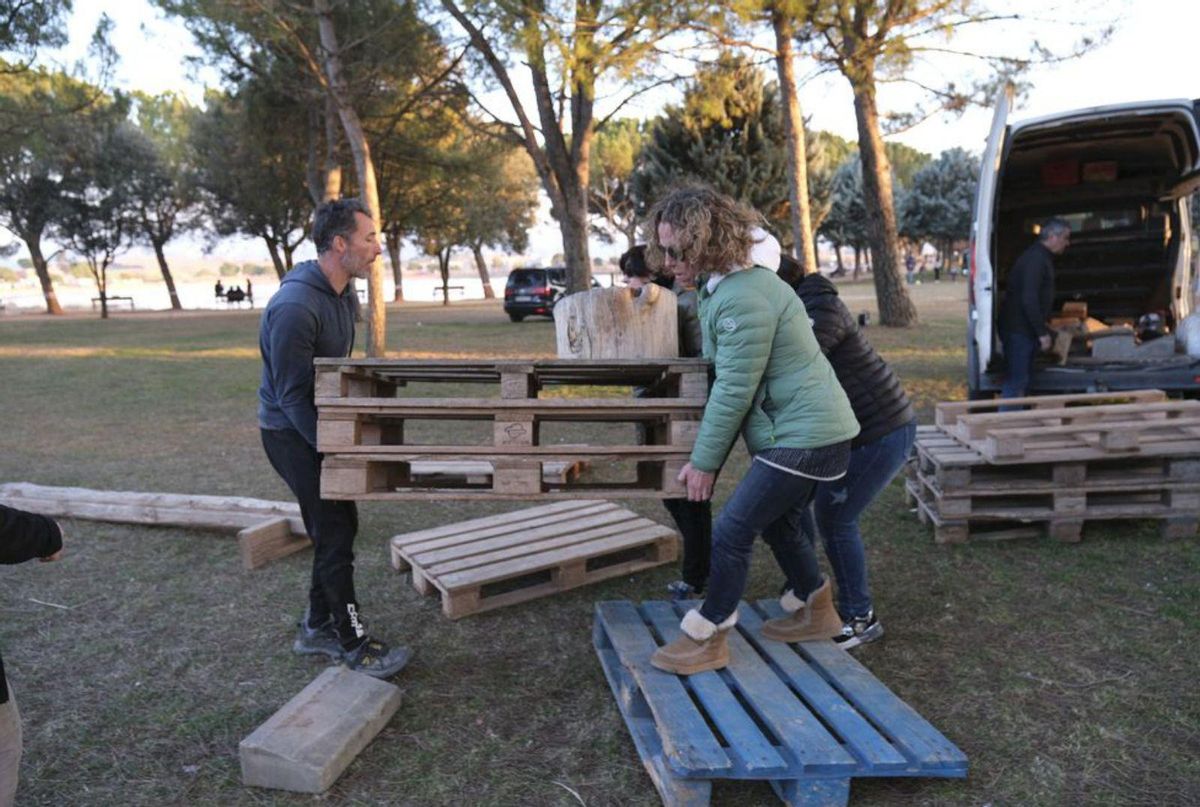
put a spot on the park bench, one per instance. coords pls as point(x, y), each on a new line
point(807, 718)
point(113, 298)
point(437, 290)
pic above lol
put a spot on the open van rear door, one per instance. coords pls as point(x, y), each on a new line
point(983, 287)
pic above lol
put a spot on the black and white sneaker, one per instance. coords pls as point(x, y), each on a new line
point(859, 631)
point(318, 641)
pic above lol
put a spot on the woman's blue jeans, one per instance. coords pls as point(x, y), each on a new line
point(771, 502)
point(838, 505)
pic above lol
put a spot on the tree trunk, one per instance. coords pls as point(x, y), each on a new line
point(837, 254)
point(393, 248)
point(793, 126)
point(480, 264)
point(364, 168)
point(277, 261)
point(444, 271)
point(333, 167)
point(166, 273)
point(857, 262)
point(34, 245)
point(896, 309)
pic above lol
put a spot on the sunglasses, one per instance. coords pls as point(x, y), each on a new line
point(674, 253)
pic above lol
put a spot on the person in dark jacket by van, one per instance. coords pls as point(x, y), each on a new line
point(23, 536)
point(1028, 301)
point(877, 454)
point(312, 316)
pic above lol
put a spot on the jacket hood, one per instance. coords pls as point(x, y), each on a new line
point(816, 285)
point(309, 273)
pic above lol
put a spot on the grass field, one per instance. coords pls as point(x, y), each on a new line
point(1065, 672)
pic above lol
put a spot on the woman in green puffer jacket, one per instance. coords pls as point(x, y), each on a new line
point(775, 387)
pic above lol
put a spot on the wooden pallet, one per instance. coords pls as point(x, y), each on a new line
point(807, 718)
point(500, 560)
point(517, 378)
point(954, 466)
point(1176, 512)
point(947, 413)
point(1167, 428)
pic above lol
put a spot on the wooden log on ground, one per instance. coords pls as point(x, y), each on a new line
point(307, 744)
point(174, 500)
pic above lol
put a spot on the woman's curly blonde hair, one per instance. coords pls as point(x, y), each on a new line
point(713, 229)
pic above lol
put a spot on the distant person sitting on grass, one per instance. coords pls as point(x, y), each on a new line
point(234, 296)
point(23, 536)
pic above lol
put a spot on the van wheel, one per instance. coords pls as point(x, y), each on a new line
point(516, 317)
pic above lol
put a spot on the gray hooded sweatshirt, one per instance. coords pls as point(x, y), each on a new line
point(303, 321)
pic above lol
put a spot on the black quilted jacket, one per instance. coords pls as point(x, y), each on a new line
point(24, 536)
point(879, 402)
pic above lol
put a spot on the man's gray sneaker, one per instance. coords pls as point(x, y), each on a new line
point(321, 641)
point(376, 659)
point(859, 631)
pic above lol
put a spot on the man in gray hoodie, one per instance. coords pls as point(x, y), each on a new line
point(312, 316)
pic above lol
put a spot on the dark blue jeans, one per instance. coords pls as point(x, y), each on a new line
point(838, 505)
point(332, 526)
point(771, 502)
point(1020, 350)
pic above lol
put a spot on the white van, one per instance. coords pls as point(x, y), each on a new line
point(1121, 175)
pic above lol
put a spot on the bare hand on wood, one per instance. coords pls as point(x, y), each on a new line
point(699, 483)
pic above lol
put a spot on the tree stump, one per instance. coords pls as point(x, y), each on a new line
point(618, 323)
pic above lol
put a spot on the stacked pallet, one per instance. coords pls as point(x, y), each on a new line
point(373, 428)
point(1063, 462)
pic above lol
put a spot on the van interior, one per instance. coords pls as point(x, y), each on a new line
point(1118, 181)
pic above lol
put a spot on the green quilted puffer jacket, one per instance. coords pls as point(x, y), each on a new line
point(772, 382)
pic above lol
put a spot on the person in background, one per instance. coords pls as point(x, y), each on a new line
point(23, 536)
point(249, 292)
point(219, 289)
point(889, 427)
point(694, 519)
point(1028, 301)
point(773, 385)
point(312, 316)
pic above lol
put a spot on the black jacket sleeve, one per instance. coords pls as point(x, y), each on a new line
point(25, 536)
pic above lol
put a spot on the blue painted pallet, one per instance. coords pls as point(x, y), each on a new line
point(807, 717)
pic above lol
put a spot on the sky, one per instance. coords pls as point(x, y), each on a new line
point(1146, 57)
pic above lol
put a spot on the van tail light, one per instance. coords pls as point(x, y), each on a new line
point(544, 291)
point(972, 263)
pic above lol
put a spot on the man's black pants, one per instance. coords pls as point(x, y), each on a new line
point(332, 526)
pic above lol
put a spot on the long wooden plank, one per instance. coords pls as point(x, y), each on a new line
point(146, 514)
point(686, 740)
point(862, 738)
point(265, 507)
point(416, 453)
point(551, 559)
point(745, 740)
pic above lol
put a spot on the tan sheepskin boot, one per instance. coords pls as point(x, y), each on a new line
point(701, 647)
point(806, 621)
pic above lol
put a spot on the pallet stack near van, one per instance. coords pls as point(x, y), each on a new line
point(377, 419)
point(1059, 464)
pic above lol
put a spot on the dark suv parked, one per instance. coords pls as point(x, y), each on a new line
point(535, 291)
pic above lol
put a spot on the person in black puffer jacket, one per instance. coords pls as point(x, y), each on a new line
point(889, 428)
